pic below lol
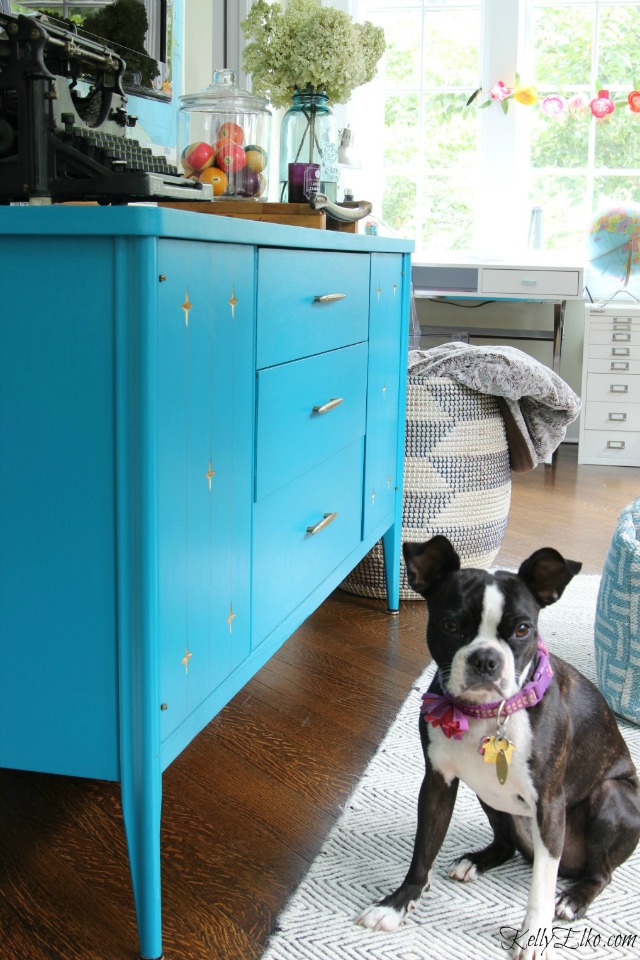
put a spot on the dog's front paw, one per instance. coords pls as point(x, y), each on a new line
point(533, 943)
point(381, 917)
point(463, 870)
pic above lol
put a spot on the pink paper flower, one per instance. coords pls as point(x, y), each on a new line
point(499, 91)
point(553, 105)
point(602, 105)
point(578, 103)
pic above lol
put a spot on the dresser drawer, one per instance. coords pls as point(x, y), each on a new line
point(613, 388)
point(293, 321)
point(612, 446)
point(307, 411)
point(612, 415)
point(614, 351)
point(533, 283)
point(293, 560)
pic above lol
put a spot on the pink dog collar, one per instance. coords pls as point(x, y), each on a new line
point(451, 715)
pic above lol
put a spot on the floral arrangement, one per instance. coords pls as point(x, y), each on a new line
point(555, 105)
point(308, 46)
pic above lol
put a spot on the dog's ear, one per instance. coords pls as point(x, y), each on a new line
point(429, 563)
point(547, 573)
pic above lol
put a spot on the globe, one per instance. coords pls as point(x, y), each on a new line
point(613, 243)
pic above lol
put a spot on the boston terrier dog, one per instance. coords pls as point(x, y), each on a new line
point(531, 736)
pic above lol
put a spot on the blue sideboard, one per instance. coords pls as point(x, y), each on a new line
point(202, 430)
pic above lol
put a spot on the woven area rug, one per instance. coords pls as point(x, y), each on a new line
point(368, 851)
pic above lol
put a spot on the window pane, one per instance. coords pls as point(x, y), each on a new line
point(618, 43)
point(610, 189)
point(400, 64)
point(618, 137)
point(447, 214)
point(563, 45)
point(399, 204)
point(451, 48)
point(559, 141)
point(566, 209)
point(450, 132)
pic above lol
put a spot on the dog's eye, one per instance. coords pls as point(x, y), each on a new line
point(450, 626)
point(522, 630)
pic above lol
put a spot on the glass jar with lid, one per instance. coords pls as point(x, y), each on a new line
point(224, 139)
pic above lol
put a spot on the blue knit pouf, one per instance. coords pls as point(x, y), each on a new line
point(617, 628)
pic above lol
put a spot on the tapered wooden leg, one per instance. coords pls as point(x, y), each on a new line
point(391, 547)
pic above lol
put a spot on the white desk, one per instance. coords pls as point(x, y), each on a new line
point(538, 281)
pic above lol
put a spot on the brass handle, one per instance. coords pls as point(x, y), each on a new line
point(327, 519)
point(329, 405)
point(328, 297)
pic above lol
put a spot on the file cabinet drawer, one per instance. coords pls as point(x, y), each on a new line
point(294, 320)
point(327, 500)
point(614, 387)
point(612, 416)
point(307, 411)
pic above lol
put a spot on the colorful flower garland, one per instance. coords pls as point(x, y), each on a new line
point(555, 105)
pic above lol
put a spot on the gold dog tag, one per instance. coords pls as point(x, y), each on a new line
point(497, 750)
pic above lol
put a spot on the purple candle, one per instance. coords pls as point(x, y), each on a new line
point(304, 181)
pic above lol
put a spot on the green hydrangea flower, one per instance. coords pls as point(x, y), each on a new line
point(308, 46)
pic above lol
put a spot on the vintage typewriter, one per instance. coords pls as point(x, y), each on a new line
point(65, 133)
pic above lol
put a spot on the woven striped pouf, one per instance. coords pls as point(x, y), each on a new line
point(457, 479)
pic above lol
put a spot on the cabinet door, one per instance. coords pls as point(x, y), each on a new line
point(204, 468)
point(385, 325)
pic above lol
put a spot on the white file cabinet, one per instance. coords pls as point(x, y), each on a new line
point(610, 418)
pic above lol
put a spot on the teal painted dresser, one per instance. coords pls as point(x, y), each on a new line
point(202, 426)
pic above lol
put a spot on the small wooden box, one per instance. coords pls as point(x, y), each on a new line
point(292, 214)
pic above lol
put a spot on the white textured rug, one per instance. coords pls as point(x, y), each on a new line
point(369, 849)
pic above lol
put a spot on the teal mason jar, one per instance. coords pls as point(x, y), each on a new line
point(309, 134)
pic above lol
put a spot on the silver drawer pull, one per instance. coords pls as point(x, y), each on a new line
point(618, 417)
point(620, 352)
point(326, 520)
point(622, 324)
point(619, 364)
point(615, 444)
point(529, 283)
point(619, 388)
point(328, 297)
point(329, 405)
point(621, 336)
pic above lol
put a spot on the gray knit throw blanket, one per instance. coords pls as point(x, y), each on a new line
point(537, 404)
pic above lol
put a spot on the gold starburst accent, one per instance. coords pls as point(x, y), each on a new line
point(185, 660)
point(233, 300)
point(210, 474)
point(231, 618)
point(186, 306)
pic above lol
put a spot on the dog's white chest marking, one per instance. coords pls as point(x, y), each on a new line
point(462, 759)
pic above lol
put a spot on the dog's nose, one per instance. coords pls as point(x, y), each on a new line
point(485, 662)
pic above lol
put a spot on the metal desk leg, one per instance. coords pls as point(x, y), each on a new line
point(559, 309)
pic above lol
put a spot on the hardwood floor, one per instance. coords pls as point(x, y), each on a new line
point(247, 805)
